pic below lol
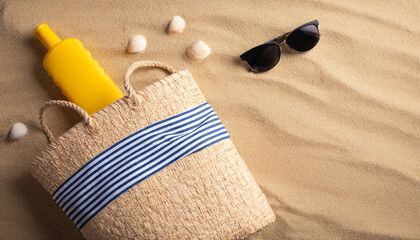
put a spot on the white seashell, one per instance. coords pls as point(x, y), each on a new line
point(137, 43)
point(176, 25)
point(198, 50)
point(18, 131)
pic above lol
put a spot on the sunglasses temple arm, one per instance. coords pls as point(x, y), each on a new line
point(281, 39)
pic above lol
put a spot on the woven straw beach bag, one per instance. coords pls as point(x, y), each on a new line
point(156, 164)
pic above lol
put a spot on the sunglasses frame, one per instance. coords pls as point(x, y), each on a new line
point(283, 39)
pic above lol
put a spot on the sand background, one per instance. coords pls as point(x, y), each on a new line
point(332, 136)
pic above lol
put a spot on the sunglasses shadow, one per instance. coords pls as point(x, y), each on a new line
point(286, 50)
point(239, 62)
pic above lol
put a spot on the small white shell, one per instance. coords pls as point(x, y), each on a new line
point(198, 50)
point(176, 25)
point(18, 131)
point(137, 43)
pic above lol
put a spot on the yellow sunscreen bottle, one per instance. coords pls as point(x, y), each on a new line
point(73, 69)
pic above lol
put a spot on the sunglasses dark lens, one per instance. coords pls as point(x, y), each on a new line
point(263, 57)
point(304, 38)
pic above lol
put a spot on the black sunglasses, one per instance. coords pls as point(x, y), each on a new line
point(265, 56)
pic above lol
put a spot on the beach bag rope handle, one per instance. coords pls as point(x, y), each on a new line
point(132, 95)
point(88, 120)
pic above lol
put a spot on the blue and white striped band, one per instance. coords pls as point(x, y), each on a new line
point(135, 158)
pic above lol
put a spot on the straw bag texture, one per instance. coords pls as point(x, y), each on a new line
point(209, 194)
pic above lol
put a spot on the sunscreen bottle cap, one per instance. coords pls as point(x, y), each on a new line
point(47, 37)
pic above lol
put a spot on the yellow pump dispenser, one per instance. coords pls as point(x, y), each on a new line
point(78, 75)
